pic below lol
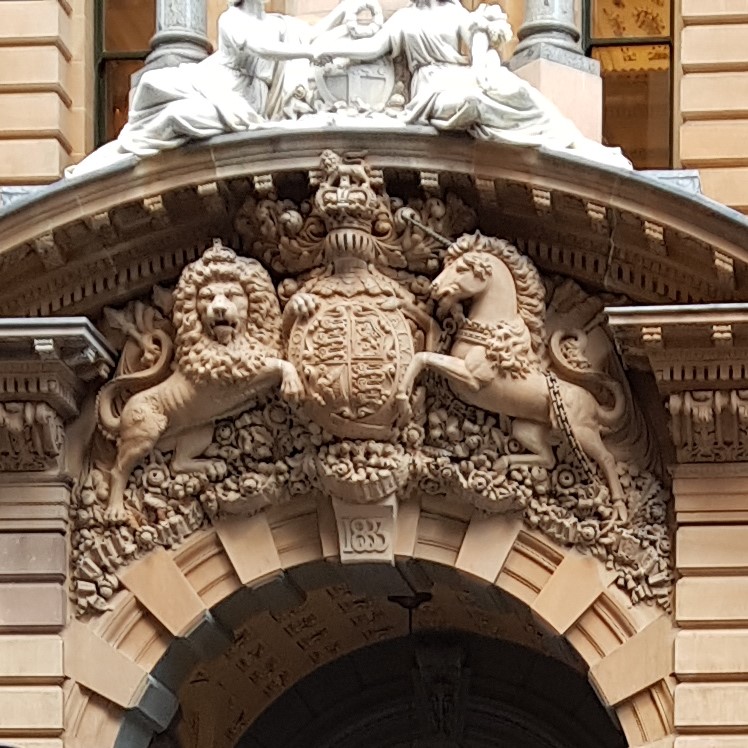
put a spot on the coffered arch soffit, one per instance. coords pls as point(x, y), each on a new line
point(84, 243)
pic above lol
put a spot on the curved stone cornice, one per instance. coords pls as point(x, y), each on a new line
point(86, 242)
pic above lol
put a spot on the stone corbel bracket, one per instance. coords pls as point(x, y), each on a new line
point(699, 357)
point(44, 365)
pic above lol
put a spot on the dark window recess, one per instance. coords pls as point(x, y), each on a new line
point(632, 40)
point(123, 32)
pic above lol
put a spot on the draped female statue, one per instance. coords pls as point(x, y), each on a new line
point(475, 93)
point(261, 75)
point(261, 60)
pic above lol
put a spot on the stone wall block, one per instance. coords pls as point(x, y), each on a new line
point(712, 601)
point(33, 556)
point(712, 549)
point(712, 654)
point(32, 606)
point(25, 709)
point(31, 659)
point(711, 707)
point(712, 741)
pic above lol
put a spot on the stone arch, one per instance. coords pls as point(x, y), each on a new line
point(180, 607)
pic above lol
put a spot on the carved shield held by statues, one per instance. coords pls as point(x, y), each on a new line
point(368, 83)
point(352, 354)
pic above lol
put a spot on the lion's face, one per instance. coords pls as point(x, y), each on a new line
point(223, 308)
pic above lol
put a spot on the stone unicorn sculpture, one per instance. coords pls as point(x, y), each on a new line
point(500, 362)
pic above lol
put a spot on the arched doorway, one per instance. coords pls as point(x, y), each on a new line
point(445, 689)
point(193, 636)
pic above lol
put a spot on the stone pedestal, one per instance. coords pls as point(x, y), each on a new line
point(550, 58)
point(577, 91)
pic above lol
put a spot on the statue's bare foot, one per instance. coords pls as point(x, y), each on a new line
point(403, 408)
point(620, 510)
point(503, 463)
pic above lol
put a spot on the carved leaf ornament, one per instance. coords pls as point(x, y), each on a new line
point(394, 357)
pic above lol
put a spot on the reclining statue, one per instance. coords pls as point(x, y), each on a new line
point(261, 74)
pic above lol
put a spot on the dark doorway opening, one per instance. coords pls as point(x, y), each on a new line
point(438, 690)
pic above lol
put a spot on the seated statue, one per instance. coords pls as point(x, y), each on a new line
point(261, 74)
point(261, 61)
point(473, 93)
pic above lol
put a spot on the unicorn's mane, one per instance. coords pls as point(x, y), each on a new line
point(527, 282)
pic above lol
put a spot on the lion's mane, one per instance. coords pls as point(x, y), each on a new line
point(197, 354)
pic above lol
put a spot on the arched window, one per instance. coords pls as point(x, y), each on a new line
point(632, 40)
point(123, 32)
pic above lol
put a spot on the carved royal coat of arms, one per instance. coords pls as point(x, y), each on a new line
point(367, 350)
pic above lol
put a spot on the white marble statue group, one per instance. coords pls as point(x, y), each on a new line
point(272, 70)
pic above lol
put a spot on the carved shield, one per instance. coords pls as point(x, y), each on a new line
point(369, 82)
point(351, 355)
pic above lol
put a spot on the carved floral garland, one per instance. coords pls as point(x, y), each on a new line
point(270, 455)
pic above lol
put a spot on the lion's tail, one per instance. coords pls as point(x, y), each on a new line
point(128, 384)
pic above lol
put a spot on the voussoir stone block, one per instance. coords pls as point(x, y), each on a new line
point(645, 659)
point(249, 544)
point(91, 662)
point(575, 584)
point(487, 544)
point(162, 589)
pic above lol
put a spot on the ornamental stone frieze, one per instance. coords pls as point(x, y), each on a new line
point(365, 351)
point(698, 355)
point(44, 366)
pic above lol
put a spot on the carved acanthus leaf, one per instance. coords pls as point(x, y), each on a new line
point(31, 436)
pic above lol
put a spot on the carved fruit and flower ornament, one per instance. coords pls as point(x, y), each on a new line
point(398, 358)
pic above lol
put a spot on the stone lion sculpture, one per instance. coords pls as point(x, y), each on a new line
point(226, 348)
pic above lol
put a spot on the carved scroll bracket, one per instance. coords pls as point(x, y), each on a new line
point(43, 367)
point(699, 357)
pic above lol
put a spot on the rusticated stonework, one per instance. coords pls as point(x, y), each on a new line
point(391, 356)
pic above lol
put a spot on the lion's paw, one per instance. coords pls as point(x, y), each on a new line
point(292, 388)
point(216, 470)
point(303, 305)
point(116, 514)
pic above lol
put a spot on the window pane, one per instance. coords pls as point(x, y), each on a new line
point(128, 24)
point(636, 102)
point(630, 19)
point(117, 85)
